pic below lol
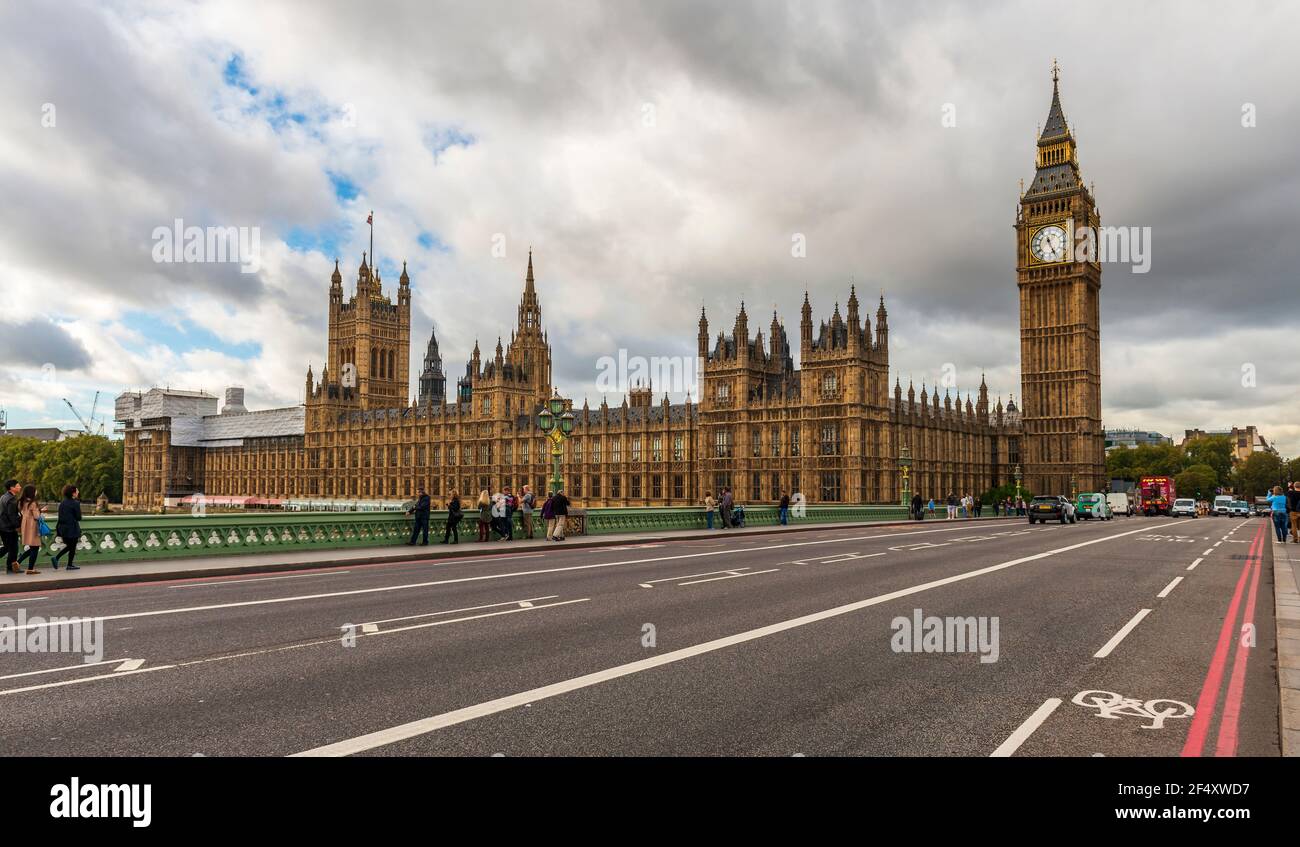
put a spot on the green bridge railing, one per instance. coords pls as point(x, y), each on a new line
point(132, 537)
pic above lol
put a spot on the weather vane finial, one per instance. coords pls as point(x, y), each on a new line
point(1056, 71)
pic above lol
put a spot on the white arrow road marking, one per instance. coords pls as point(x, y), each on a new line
point(424, 726)
point(129, 665)
point(1026, 729)
point(370, 627)
point(728, 576)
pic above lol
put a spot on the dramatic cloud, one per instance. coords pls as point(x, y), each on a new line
point(658, 157)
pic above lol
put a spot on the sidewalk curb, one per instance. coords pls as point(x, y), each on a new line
point(1286, 618)
point(11, 584)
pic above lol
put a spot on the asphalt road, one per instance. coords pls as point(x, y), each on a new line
point(772, 645)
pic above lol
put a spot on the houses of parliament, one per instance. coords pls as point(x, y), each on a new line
point(833, 429)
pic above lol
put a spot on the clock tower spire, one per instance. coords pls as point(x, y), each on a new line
point(1060, 318)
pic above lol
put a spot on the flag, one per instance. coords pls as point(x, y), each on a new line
point(370, 218)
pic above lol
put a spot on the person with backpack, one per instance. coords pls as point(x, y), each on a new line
point(10, 523)
point(454, 515)
point(68, 526)
point(33, 527)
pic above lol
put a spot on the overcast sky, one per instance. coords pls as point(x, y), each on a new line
point(658, 157)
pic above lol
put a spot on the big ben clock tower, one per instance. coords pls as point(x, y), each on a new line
point(1062, 447)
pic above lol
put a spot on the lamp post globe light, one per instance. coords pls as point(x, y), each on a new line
point(556, 423)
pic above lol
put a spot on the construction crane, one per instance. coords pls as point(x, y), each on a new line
point(90, 425)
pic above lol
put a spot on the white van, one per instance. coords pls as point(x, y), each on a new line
point(1222, 505)
point(1119, 503)
point(1184, 507)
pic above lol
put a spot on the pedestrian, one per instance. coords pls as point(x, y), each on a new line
point(548, 514)
point(68, 526)
point(931, 507)
point(709, 505)
point(420, 512)
point(512, 505)
point(454, 515)
point(918, 507)
point(724, 507)
point(526, 509)
point(1293, 509)
point(498, 519)
point(560, 508)
point(10, 522)
point(1278, 503)
point(977, 504)
point(30, 513)
point(484, 515)
point(783, 509)
point(952, 506)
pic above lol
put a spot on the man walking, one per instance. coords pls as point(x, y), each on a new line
point(421, 514)
point(952, 506)
point(918, 507)
point(10, 521)
point(724, 507)
point(784, 509)
point(560, 508)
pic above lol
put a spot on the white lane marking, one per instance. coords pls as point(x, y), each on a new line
point(466, 609)
point(851, 557)
point(1170, 587)
point(1217, 543)
point(407, 586)
point(369, 628)
point(1208, 552)
point(24, 599)
point(63, 668)
point(1119, 636)
point(1026, 729)
point(87, 679)
point(129, 665)
point(1193, 565)
point(257, 579)
point(728, 576)
point(412, 729)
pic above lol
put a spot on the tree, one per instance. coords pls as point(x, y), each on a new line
point(1214, 451)
point(1197, 481)
point(1257, 475)
point(91, 462)
point(1293, 470)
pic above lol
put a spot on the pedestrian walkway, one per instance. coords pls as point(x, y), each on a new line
point(152, 570)
point(1286, 592)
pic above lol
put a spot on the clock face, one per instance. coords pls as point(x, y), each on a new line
point(1048, 244)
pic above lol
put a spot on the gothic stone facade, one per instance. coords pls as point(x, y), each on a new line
point(833, 430)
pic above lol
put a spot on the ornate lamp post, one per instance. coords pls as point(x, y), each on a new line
point(905, 466)
point(556, 424)
point(1018, 476)
point(1074, 488)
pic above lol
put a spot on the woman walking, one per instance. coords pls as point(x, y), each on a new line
point(30, 512)
point(484, 515)
point(709, 505)
point(454, 515)
point(68, 526)
point(1277, 502)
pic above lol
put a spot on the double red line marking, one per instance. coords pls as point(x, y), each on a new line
point(1209, 698)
